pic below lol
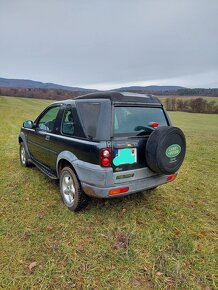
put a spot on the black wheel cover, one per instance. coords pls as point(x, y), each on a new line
point(165, 150)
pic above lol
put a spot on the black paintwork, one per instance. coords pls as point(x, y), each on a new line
point(43, 148)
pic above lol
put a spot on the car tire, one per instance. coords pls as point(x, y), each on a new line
point(23, 156)
point(165, 150)
point(70, 189)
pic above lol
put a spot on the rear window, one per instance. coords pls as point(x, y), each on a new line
point(137, 121)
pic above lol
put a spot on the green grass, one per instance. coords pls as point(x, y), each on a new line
point(165, 239)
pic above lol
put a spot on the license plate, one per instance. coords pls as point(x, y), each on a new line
point(125, 156)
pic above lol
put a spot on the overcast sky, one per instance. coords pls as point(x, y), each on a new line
point(105, 44)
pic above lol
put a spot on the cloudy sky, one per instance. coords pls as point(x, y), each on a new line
point(105, 44)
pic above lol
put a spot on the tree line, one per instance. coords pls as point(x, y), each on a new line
point(52, 94)
point(193, 105)
point(58, 94)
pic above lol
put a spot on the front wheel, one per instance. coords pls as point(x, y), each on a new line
point(70, 189)
point(23, 156)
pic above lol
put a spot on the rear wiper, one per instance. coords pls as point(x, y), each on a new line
point(144, 129)
point(138, 135)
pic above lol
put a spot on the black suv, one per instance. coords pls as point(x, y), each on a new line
point(103, 145)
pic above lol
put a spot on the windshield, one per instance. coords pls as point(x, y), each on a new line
point(137, 121)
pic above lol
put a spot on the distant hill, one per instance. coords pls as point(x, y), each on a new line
point(171, 91)
point(20, 83)
point(35, 89)
point(151, 88)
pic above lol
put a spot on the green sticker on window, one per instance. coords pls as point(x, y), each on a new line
point(173, 150)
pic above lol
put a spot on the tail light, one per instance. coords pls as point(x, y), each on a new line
point(105, 157)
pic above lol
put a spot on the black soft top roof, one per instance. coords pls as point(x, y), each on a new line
point(117, 97)
point(122, 97)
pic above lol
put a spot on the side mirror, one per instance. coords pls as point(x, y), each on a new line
point(28, 124)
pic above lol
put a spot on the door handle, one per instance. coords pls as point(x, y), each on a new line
point(47, 137)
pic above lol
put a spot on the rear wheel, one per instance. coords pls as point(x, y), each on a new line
point(23, 156)
point(70, 189)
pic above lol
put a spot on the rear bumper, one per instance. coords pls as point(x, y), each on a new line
point(134, 186)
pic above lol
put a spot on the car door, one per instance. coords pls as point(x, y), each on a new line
point(68, 127)
point(39, 144)
point(71, 137)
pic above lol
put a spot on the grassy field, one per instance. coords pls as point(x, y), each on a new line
point(165, 239)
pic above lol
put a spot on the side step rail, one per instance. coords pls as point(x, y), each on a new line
point(51, 174)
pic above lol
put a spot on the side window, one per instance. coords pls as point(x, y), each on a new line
point(71, 124)
point(47, 121)
point(89, 113)
point(68, 122)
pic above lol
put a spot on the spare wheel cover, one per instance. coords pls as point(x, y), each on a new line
point(165, 150)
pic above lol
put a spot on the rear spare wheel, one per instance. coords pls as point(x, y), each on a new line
point(165, 150)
